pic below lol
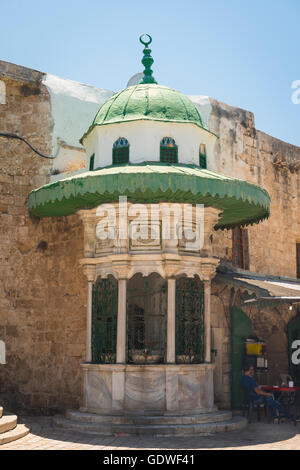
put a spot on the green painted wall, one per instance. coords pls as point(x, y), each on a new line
point(241, 329)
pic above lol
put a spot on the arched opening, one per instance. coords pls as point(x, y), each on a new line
point(120, 151)
point(168, 150)
point(104, 320)
point(202, 156)
point(190, 327)
point(146, 319)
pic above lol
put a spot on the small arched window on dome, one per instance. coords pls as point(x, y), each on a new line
point(168, 150)
point(202, 156)
point(120, 151)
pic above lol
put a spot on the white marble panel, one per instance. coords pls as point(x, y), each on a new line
point(195, 390)
point(118, 390)
point(145, 390)
point(99, 390)
point(171, 390)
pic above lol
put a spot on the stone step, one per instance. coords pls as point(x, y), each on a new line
point(233, 424)
point(148, 420)
point(7, 423)
point(19, 431)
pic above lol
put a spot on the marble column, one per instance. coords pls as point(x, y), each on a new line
point(121, 326)
point(207, 293)
point(171, 321)
point(88, 345)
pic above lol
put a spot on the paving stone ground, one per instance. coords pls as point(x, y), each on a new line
point(257, 436)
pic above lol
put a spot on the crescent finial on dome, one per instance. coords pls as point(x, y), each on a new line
point(147, 61)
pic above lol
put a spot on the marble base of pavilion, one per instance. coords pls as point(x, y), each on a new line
point(164, 399)
point(142, 389)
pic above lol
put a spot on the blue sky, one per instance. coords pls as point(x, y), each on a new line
point(243, 53)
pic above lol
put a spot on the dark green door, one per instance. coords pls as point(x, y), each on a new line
point(104, 323)
point(241, 329)
point(293, 331)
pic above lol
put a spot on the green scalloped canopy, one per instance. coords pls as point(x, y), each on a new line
point(242, 203)
point(150, 102)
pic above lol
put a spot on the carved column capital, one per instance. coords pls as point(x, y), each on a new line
point(171, 265)
point(208, 269)
point(90, 272)
point(121, 268)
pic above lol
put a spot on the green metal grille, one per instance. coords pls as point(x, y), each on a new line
point(189, 320)
point(168, 154)
point(121, 151)
point(104, 321)
point(120, 155)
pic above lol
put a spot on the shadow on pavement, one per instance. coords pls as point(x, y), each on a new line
point(256, 434)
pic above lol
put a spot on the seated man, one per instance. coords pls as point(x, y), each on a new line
point(258, 396)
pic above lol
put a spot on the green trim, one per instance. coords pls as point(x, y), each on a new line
point(92, 162)
point(241, 328)
point(242, 203)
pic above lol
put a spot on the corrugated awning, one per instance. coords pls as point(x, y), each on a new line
point(265, 287)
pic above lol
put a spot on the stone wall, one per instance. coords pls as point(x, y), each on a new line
point(251, 155)
point(42, 289)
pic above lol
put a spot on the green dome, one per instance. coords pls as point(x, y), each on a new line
point(147, 102)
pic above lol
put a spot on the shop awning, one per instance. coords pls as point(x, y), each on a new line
point(262, 288)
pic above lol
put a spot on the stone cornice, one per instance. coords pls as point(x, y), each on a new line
point(125, 266)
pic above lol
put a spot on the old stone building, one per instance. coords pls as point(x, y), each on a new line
point(43, 291)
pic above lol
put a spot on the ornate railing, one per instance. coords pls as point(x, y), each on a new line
point(104, 326)
point(189, 320)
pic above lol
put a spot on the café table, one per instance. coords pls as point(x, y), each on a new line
point(285, 395)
